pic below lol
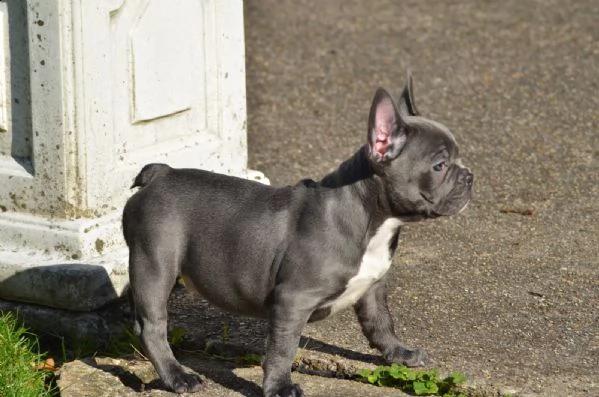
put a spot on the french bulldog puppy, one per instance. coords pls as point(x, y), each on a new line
point(291, 254)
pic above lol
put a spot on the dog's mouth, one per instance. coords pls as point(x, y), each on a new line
point(454, 203)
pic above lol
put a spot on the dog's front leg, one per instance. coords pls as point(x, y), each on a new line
point(377, 326)
point(289, 314)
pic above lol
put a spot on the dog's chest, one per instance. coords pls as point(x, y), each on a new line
point(374, 265)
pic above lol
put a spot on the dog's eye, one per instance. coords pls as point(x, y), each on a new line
point(439, 166)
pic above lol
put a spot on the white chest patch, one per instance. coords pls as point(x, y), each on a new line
point(375, 263)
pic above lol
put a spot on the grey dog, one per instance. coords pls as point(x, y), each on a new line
point(291, 254)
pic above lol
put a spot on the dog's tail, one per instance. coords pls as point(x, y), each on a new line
point(148, 173)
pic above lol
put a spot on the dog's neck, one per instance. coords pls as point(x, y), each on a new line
point(352, 171)
point(356, 175)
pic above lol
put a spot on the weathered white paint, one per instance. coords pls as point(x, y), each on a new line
point(374, 265)
point(114, 84)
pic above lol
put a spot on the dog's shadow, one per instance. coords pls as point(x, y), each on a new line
point(219, 370)
point(316, 345)
point(223, 373)
point(144, 379)
point(235, 337)
point(222, 369)
point(128, 378)
point(215, 345)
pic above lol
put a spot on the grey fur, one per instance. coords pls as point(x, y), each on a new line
point(286, 253)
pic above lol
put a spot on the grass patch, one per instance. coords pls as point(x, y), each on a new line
point(24, 371)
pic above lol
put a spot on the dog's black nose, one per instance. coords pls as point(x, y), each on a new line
point(469, 178)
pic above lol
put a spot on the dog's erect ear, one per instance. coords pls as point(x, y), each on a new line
point(406, 105)
point(386, 129)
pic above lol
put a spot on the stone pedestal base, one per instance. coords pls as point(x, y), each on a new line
point(90, 92)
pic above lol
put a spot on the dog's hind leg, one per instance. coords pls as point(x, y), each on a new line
point(377, 326)
point(151, 284)
point(131, 301)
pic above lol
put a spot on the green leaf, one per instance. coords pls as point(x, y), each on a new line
point(419, 388)
point(380, 371)
point(431, 375)
point(402, 373)
point(456, 378)
point(364, 373)
point(425, 388)
point(399, 375)
point(225, 334)
point(177, 335)
point(432, 387)
point(372, 378)
point(249, 359)
point(410, 375)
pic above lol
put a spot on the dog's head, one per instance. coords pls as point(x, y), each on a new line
point(416, 158)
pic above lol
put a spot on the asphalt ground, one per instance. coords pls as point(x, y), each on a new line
point(508, 291)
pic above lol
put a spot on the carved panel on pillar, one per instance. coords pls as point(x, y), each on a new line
point(150, 69)
point(166, 61)
point(163, 72)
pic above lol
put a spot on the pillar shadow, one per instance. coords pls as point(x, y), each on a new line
point(56, 290)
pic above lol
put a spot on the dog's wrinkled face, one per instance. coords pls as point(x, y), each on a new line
point(417, 158)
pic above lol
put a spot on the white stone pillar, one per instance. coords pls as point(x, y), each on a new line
point(90, 91)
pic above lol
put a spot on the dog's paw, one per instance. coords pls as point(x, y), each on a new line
point(407, 357)
point(290, 391)
point(186, 383)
